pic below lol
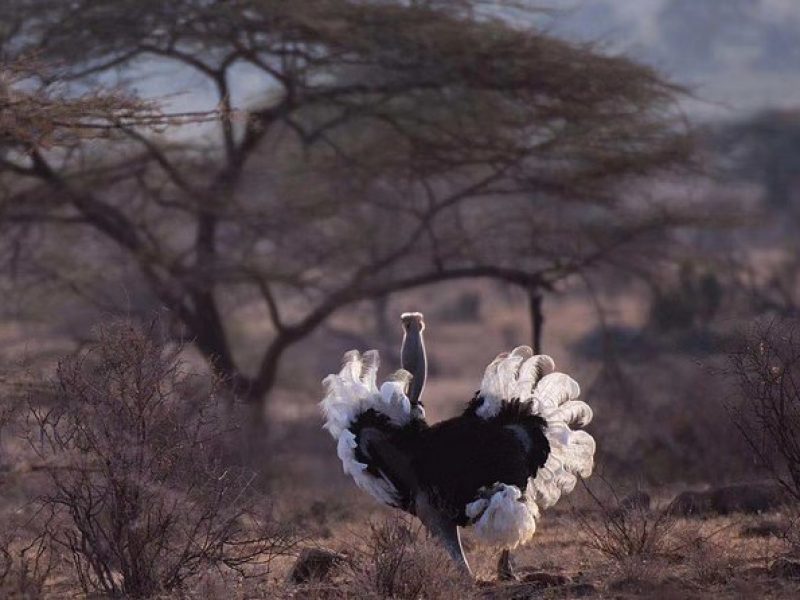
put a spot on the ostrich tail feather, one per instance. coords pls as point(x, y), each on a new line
point(505, 519)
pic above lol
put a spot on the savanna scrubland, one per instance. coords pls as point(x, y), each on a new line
point(181, 269)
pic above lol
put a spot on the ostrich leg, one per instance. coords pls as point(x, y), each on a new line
point(505, 567)
point(443, 528)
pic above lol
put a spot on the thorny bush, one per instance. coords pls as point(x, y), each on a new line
point(137, 497)
point(621, 529)
point(765, 365)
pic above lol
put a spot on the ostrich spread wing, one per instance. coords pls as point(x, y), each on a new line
point(521, 383)
point(371, 426)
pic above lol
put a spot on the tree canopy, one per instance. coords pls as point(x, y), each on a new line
point(392, 145)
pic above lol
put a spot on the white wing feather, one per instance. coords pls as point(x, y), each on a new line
point(348, 394)
point(554, 395)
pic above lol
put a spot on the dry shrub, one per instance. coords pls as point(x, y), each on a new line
point(138, 496)
point(398, 560)
point(647, 544)
point(621, 531)
point(637, 574)
point(27, 555)
point(212, 584)
point(25, 564)
point(708, 561)
point(765, 365)
point(766, 368)
point(787, 533)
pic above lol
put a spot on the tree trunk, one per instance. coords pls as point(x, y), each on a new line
point(535, 299)
point(383, 329)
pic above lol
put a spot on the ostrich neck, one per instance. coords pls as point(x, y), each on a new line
point(413, 360)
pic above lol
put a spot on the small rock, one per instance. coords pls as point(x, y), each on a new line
point(763, 529)
point(785, 569)
point(754, 572)
point(580, 590)
point(690, 504)
point(750, 498)
point(542, 579)
point(632, 585)
point(314, 564)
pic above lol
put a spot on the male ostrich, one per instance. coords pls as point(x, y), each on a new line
point(512, 451)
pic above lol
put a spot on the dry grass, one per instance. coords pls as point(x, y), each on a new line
point(392, 557)
point(398, 560)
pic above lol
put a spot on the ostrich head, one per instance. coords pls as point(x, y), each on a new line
point(412, 356)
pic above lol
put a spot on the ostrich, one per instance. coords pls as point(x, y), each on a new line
point(512, 450)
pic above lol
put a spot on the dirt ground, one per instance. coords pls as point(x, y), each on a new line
point(736, 556)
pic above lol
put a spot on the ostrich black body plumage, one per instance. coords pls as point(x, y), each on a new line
point(481, 468)
point(454, 459)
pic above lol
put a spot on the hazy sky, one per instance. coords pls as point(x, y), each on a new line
point(738, 56)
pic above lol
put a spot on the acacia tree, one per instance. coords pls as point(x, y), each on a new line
point(40, 117)
point(395, 145)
